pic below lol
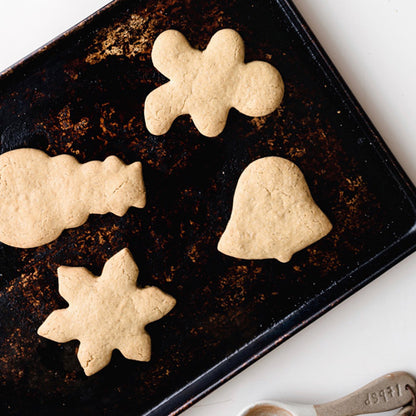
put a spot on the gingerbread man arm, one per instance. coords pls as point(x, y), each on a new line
point(227, 47)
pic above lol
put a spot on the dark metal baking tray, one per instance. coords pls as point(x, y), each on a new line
point(83, 95)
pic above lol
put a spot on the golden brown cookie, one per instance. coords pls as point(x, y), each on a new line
point(273, 214)
point(42, 195)
point(106, 312)
point(207, 84)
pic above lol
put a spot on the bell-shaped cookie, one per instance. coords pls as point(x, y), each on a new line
point(41, 195)
point(273, 214)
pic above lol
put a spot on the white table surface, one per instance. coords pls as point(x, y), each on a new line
point(372, 43)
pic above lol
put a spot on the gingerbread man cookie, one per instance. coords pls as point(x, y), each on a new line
point(273, 214)
point(207, 84)
point(106, 312)
point(42, 195)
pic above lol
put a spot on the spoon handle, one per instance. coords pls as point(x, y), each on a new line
point(385, 393)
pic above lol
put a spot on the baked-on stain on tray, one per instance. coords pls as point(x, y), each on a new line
point(83, 95)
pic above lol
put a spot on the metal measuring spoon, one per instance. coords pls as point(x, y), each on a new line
point(388, 392)
point(406, 411)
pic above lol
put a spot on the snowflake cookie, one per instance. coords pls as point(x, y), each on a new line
point(106, 312)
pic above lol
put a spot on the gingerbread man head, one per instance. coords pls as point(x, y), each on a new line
point(206, 84)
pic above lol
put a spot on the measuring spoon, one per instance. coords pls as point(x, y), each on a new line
point(388, 392)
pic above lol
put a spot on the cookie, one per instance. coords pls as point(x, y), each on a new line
point(41, 195)
point(207, 84)
point(273, 214)
point(106, 312)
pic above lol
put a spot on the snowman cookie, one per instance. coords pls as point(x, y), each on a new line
point(41, 195)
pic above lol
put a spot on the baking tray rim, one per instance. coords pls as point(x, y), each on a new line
point(270, 338)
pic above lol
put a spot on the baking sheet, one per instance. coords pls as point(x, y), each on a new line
point(83, 95)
